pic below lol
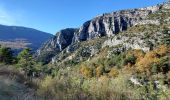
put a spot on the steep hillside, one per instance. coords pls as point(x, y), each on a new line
point(124, 55)
point(126, 29)
point(10, 36)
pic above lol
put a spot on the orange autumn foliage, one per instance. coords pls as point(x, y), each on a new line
point(162, 50)
point(151, 57)
point(139, 54)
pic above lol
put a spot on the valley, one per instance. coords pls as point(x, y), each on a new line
point(17, 37)
point(15, 44)
point(122, 55)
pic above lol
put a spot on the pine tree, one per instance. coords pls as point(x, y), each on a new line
point(6, 55)
point(26, 61)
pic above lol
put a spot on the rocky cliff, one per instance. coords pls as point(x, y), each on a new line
point(109, 25)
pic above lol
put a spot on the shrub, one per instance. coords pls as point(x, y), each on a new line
point(99, 71)
point(130, 59)
point(86, 71)
point(114, 72)
point(117, 60)
point(155, 68)
point(166, 38)
point(145, 63)
point(162, 50)
point(139, 54)
point(163, 65)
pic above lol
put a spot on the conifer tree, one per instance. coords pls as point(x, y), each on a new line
point(6, 55)
point(26, 61)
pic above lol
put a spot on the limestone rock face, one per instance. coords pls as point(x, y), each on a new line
point(108, 24)
point(64, 38)
point(55, 44)
point(60, 41)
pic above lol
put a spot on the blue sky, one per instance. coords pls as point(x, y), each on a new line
point(54, 15)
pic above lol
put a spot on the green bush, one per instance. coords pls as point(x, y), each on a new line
point(162, 66)
point(131, 59)
point(166, 38)
point(154, 69)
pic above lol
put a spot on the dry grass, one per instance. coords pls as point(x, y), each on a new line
point(13, 85)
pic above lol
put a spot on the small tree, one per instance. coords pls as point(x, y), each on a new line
point(6, 55)
point(26, 61)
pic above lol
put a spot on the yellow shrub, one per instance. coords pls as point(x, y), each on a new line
point(113, 72)
point(99, 71)
point(86, 71)
point(162, 50)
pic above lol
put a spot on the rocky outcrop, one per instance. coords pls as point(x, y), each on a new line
point(126, 43)
point(55, 44)
point(60, 41)
point(108, 24)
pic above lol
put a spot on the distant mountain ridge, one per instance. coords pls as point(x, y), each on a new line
point(33, 37)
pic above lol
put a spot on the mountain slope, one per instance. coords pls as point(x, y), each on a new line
point(125, 29)
point(26, 36)
point(127, 58)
